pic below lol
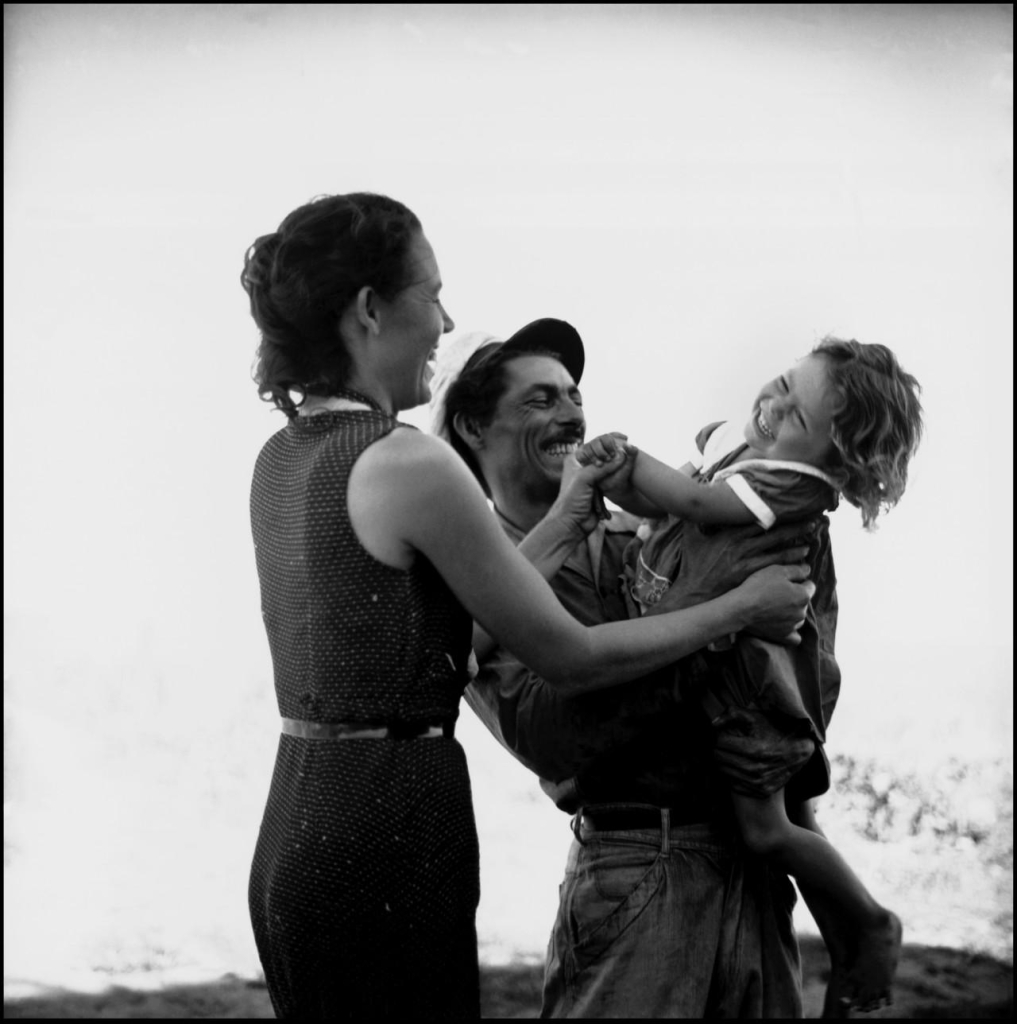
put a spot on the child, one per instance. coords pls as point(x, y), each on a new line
point(844, 420)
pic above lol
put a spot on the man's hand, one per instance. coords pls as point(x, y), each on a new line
point(579, 502)
point(604, 448)
point(617, 485)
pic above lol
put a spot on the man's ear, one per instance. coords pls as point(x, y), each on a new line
point(365, 305)
point(469, 430)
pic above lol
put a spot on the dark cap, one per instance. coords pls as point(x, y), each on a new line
point(551, 335)
point(469, 351)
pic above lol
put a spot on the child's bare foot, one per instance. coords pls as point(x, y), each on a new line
point(838, 995)
point(871, 971)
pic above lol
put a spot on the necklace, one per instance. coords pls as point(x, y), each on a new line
point(341, 400)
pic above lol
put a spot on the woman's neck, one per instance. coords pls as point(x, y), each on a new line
point(373, 390)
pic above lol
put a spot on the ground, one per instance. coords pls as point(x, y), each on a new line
point(933, 983)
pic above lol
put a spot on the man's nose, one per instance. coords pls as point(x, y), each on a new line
point(571, 410)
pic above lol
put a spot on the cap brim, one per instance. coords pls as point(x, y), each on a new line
point(551, 335)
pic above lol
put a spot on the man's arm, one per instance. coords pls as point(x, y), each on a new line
point(573, 516)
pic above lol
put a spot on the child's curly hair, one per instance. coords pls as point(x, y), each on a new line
point(876, 430)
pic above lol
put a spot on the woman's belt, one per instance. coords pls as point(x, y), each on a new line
point(368, 730)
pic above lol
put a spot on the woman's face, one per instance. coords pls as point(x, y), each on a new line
point(792, 417)
point(413, 321)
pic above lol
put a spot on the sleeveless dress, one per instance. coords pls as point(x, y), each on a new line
point(365, 881)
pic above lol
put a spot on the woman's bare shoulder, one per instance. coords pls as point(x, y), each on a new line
point(410, 465)
point(410, 450)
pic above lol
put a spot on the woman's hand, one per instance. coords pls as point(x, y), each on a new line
point(776, 601)
point(714, 563)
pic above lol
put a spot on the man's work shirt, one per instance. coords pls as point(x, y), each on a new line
point(634, 743)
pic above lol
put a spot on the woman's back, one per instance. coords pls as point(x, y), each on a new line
point(352, 639)
point(366, 871)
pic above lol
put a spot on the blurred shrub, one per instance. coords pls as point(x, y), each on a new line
point(961, 802)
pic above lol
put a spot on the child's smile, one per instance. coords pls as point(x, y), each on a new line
point(792, 416)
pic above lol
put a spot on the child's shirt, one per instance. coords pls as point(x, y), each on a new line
point(772, 491)
point(769, 704)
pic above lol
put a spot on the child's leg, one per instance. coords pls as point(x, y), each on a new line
point(837, 1002)
point(854, 925)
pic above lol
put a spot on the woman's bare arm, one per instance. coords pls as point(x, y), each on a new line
point(573, 516)
point(410, 493)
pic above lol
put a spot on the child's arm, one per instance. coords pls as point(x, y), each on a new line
point(617, 486)
point(657, 488)
point(679, 494)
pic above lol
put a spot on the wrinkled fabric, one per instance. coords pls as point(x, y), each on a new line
point(689, 928)
point(699, 931)
point(636, 743)
point(769, 705)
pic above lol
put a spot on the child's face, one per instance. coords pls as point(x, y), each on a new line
point(792, 416)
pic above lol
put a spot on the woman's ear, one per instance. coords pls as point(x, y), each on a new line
point(365, 305)
point(469, 430)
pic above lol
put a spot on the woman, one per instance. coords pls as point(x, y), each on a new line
point(375, 552)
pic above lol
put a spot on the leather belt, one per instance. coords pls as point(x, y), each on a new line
point(367, 730)
point(621, 819)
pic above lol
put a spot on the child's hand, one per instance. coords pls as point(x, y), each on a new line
point(605, 448)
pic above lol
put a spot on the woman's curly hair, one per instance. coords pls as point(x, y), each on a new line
point(301, 278)
point(876, 430)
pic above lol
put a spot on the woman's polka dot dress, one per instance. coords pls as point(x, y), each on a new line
point(365, 880)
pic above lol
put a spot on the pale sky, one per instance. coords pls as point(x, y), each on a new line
point(703, 190)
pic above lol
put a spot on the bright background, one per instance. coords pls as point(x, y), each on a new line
point(703, 190)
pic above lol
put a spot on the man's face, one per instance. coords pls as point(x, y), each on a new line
point(537, 424)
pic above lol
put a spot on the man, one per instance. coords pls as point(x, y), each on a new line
point(660, 915)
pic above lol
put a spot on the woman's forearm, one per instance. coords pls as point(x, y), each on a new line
point(546, 547)
point(622, 651)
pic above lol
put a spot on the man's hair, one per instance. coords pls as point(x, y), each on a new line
point(877, 428)
point(301, 278)
point(476, 392)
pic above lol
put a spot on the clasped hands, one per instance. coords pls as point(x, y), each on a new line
point(601, 467)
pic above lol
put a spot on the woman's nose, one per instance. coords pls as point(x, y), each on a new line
point(449, 323)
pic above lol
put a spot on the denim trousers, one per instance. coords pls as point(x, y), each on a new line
point(675, 922)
